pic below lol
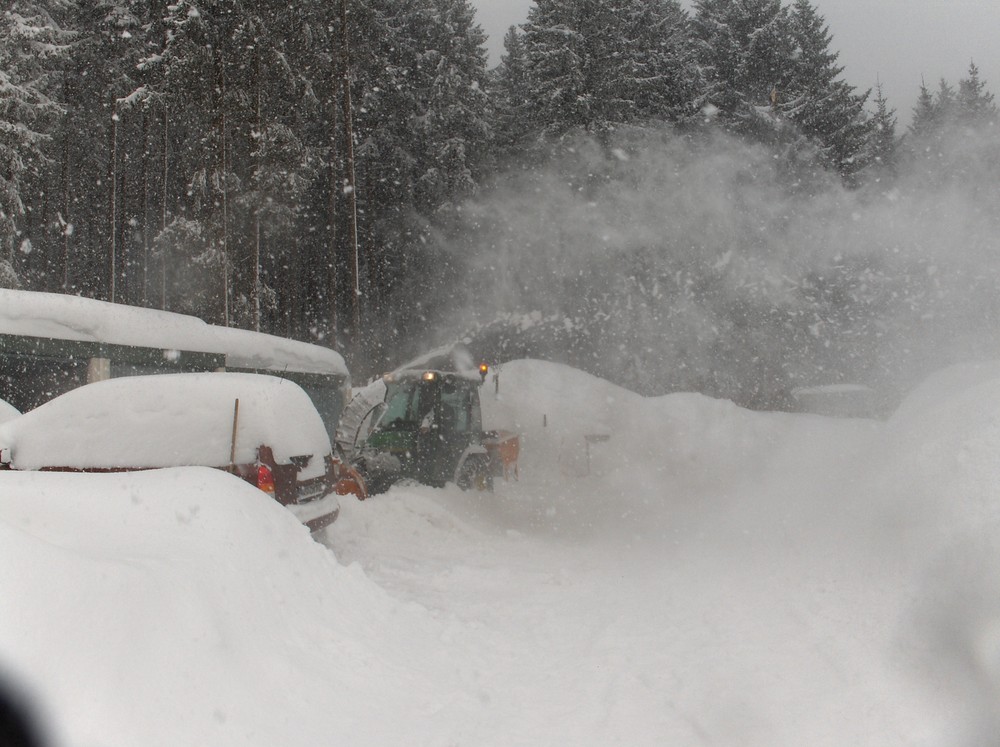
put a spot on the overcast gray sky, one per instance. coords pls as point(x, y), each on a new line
point(895, 41)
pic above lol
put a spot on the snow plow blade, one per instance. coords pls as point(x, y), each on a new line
point(503, 448)
point(351, 483)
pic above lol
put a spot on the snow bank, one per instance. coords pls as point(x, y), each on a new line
point(169, 420)
point(702, 575)
point(7, 411)
point(60, 316)
point(185, 607)
point(609, 452)
point(721, 576)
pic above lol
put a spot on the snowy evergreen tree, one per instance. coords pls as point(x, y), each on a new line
point(953, 138)
point(452, 130)
point(420, 88)
point(882, 155)
point(235, 106)
point(193, 154)
point(924, 112)
point(191, 260)
point(594, 65)
point(935, 116)
point(747, 51)
point(945, 104)
point(510, 94)
point(100, 154)
point(31, 43)
point(281, 165)
point(820, 103)
point(419, 84)
point(974, 102)
point(773, 77)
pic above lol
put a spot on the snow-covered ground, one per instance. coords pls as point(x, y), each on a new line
point(692, 573)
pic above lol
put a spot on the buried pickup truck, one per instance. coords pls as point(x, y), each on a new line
point(261, 428)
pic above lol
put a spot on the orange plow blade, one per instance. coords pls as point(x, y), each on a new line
point(351, 483)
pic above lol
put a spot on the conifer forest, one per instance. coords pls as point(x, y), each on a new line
point(673, 199)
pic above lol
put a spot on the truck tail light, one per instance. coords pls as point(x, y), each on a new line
point(265, 479)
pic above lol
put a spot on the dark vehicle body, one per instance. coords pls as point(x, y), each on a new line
point(429, 428)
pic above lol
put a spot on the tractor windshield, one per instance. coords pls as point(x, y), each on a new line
point(406, 403)
point(460, 409)
point(449, 406)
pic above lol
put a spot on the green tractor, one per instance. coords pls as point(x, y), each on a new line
point(428, 428)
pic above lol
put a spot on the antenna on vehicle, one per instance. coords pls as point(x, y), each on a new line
point(236, 421)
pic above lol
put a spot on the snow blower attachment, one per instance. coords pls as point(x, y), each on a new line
point(349, 481)
point(428, 428)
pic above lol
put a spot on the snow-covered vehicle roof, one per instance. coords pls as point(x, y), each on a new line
point(169, 420)
point(454, 358)
point(64, 317)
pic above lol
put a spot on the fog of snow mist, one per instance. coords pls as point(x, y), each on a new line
point(666, 264)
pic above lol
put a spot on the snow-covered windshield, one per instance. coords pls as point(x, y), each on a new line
point(460, 409)
point(448, 404)
point(406, 404)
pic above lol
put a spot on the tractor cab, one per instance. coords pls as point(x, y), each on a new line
point(428, 428)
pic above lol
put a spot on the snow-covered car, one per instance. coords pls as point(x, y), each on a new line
point(262, 428)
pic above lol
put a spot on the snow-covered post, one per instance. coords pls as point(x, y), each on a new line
point(98, 369)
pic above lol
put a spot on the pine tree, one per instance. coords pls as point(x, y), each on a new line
point(883, 143)
point(200, 68)
point(30, 44)
point(659, 67)
point(974, 103)
point(281, 165)
point(594, 65)
point(452, 128)
point(945, 104)
point(557, 57)
point(236, 108)
point(822, 105)
point(924, 119)
point(773, 76)
point(934, 118)
point(419, 85)
point(100, 76)
point(942, 149)
point(746, 50)
point(510, 95)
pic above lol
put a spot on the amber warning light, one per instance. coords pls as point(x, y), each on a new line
point(483, 370)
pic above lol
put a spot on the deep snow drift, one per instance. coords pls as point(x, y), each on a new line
point(666, 571)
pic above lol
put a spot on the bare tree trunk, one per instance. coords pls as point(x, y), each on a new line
point(113, 203)
point(331, 278)
point(163, 209)
point(224, 176)
point(145, 206)
point(351, 186)
point(256, 210)
point(65, 223)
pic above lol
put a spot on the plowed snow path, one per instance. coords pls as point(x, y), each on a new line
point(709, 575)
point(653, 633)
